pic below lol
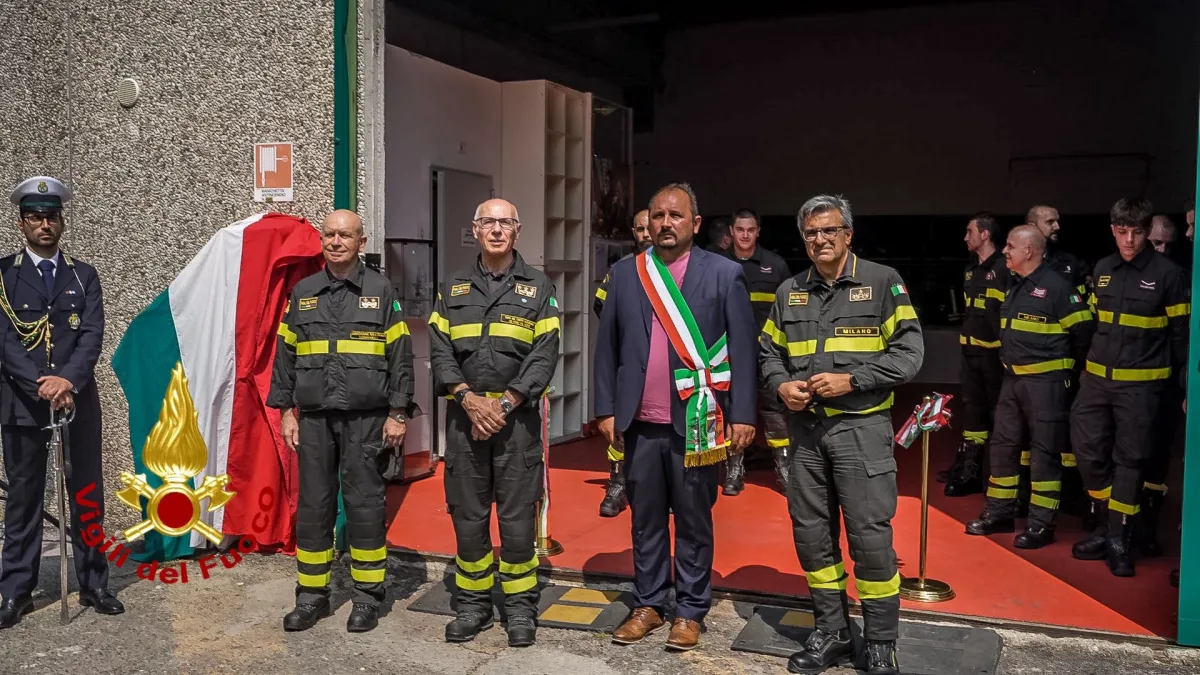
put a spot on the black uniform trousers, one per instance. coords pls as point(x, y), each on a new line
point(1166, 431)
point(772, 415)
point(845, 464)
point(659, 486)
point(507, 469)
point(25, 463)
point(1033, 409)
point(981, 375)
point(1112, 428)
point(349, 444)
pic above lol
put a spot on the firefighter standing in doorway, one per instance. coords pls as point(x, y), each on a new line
point(985, 282)
point(1045, 327)
point(1143, 303)
point(493, 344)
point(765, 272)
point(344, 363)
point(615, 500)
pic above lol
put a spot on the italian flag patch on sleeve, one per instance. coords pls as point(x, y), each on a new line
point(1076, 299)
point(897, 289)
point(553, 302)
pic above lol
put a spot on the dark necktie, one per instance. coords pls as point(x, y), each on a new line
point(47, 268)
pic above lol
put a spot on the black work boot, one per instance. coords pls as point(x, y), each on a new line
point(1152, 503)
point(467, 625)
point(990, 522)
point(615, 500)
point(1034, 536)
point(1093, 546)
point(306, 615)
point(363, 618)
point(735, 474)
point(823, 651)
point(945, 475)
point(881, 658)
point(522, 631)
point(781, 467)
point(1119, 554)
point(968, 480)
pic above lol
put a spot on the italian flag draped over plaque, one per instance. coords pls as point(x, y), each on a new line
point(219, 317)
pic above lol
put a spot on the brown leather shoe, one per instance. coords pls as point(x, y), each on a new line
point(685, 635)
point(641, 623)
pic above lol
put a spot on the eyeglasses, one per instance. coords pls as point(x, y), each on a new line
point(826, 232)
point(506, 224)
point(34, 219)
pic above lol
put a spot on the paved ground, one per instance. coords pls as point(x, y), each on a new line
point(230, 623)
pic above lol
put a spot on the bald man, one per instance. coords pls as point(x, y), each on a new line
point(493, 348)
point(343, 381)
point(1045, 329)
point(615, 501)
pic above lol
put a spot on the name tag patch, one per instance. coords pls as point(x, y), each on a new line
point(1103, 281)
point(1031, 317)
point(526, 290)
point(797, 299)
point(307, 304)
point(460, 289)
point(367, 335)
point(856, 331)
point(860, 294)
point(516, 321)
point(368, 303)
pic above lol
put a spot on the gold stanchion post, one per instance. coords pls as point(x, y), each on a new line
point(921, 588)
point(544, 544)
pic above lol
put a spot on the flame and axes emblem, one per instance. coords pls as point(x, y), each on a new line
point(175, 452)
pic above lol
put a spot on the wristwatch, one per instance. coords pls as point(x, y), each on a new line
point(399, 417)
point(461, 395)
point(506, 406)
point(854, 383)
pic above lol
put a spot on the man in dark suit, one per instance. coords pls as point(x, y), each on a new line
point(675, 386)
point(52, 333)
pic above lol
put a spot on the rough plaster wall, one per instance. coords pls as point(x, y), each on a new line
point(155, 181)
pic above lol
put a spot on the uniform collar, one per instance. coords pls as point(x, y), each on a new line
point(1035, 277)
point(1140, 260)
point(355, 278)
point(988, 261)
point(755, 255)
point(35, 258)
point(518, 269)
point(849, 272)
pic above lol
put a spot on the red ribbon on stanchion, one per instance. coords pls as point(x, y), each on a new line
point(929, 415)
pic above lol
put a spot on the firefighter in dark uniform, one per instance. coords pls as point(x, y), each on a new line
point(985, 281)
point(52, 333)
point(1045, 327)
point(343, 362)
point(765, 272)
point(615, 501)
point(839, 339)
point(1143, 303)
point(1075, 270)
point(493, 347)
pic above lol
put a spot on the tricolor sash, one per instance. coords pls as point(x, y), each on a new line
point(707, 368)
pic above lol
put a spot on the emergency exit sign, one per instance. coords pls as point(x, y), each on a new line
point(272, 172)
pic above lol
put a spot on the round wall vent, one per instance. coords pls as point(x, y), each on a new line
point(128, 92)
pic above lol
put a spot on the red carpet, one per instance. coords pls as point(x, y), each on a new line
point(754, 550)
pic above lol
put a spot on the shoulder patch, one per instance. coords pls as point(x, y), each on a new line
point(307, 304)
point(860, 294)
point(368, 302)
point(969, 275)
point(526, 290)
point(460, 289)
point(395, 305)
point(797, 299)
point(1102, 282)
point(897, 289)
point(553, 302)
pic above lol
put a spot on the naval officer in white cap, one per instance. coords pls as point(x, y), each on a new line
point(50, 339)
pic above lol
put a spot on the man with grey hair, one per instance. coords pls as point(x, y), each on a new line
point(838, 340)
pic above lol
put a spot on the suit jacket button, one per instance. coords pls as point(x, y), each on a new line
point(24, 306)
point(643, 369)
point(53, 366)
